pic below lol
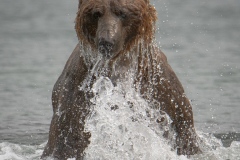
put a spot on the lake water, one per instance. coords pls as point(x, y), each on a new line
point(200, 38)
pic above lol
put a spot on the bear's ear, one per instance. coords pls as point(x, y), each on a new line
point(79, 4)
point(147, 1)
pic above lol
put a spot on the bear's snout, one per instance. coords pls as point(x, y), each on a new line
point(105, 48)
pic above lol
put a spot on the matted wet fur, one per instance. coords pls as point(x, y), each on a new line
point(115, 37)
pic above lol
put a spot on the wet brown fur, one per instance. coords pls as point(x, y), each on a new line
point(159, 86)
point(143, 16)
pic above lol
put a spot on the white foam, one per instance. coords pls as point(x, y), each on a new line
point(10, 151)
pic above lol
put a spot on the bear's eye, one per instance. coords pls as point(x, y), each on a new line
point(122, 15)
point(96, 15)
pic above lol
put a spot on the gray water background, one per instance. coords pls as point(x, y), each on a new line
point(200, 38)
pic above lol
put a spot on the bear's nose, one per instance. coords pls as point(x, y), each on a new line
point(105, 48)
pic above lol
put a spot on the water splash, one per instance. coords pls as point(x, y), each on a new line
point(122, 125)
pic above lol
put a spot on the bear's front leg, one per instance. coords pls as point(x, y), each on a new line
point(67, 138)
point(186, 141)
point(168, 91)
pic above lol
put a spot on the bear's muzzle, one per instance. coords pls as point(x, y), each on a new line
point(105, 48)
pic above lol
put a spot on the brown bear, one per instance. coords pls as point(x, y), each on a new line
point(116, 41)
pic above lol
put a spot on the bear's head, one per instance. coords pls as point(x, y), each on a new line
point(112, 27)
